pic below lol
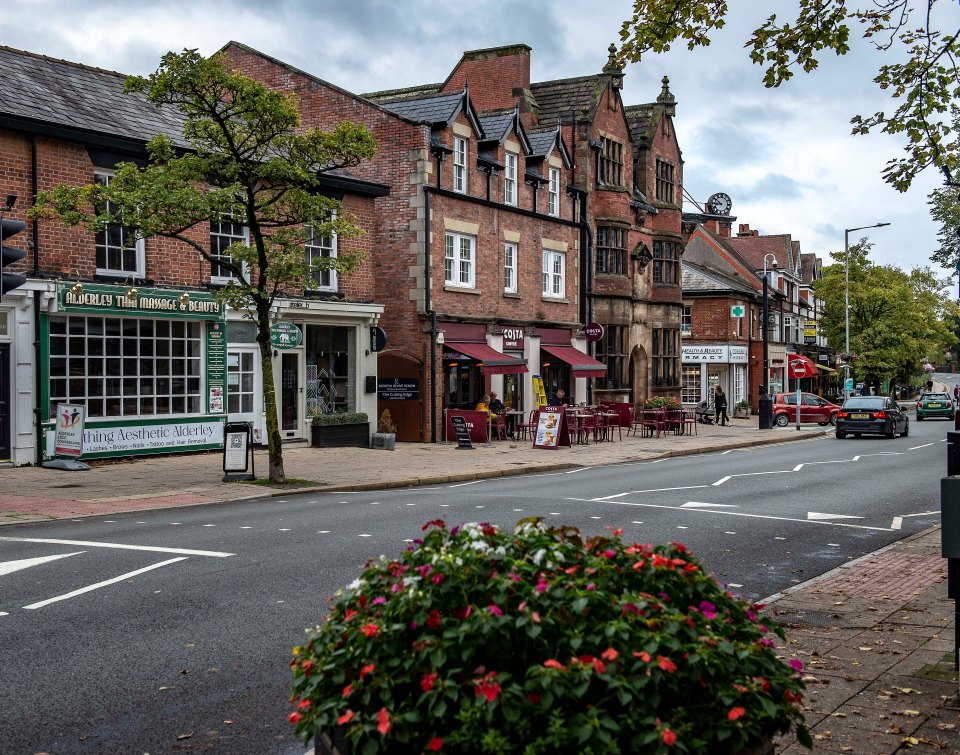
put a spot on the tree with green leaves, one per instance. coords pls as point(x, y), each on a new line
point(923, 81)
point(247, 159)
point(897, 319)
point(945, 209)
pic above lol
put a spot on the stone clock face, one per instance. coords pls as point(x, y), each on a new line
point(719, 204)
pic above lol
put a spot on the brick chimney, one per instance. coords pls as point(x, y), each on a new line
point(499, 76)
point(745, 231)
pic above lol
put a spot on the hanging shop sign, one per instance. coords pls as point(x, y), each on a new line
point(285, 335)
point(513, 339)
point(593, 331)
point(94, 298)
point(378, 339)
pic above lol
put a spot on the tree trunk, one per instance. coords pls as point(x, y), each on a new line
point(274, 443)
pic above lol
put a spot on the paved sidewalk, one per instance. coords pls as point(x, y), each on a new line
point(876, 635)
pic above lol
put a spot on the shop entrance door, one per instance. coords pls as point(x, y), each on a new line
point(291, 395)
point(6, 408)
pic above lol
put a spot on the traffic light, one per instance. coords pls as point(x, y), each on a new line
point(9, 255)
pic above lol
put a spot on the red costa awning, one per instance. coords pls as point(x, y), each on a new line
point(583, 365)
point(801, 366)
point(494, 363)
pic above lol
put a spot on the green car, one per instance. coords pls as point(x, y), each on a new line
point(935, 405)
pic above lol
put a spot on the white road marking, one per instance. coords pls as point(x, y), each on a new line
point(480, 507)
point(701, 505)
point(834, 545)
point(209, 525)
point(818, 515)
point(372, 503)
point(364, 535)
point(246, 528)
point(98, 585)
point(750, 516)
point(323, 532)
point(724, 453)
point(720, 481)
point(729, 533)
point(554, 513)
point(923, 513)
point(283, 529)
point(464, 484)
point(574, 471)
point(8, 567)
point(682, 527)
point(118, 546)
point(4, 613)
point(649, 490)
point(733, 584)
point(636, 522)
point(779, 538)
point(409, 504)
point(923, 446)
point(897, 523)
point(518, 509)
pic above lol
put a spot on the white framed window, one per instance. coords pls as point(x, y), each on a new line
point(690, 384)
point(510, 179)
point(224, 232)
point(510, 268)
point(553, 193)
point(686, 320)
point(319, 251)
point(119, 252)
point(460, 164)
point(459, 264)
point(553, 273)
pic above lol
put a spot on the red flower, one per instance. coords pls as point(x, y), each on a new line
point(427, 680)
point(303, 704)
point(495, 610)
point(348, 689)
point(346, 717)
point(307, 667)
point(609, 654)
point(735, 713)
point(439, 523)
point(436, 744)
point(368, 669)
point(369, 629)
point(668, 738)
point(294, 717)
point(349, 614)
point(488, 687)
point(433, 619)
point(599, 666)
point(463, 613)
point(554, 664)
point(383, 721)
point(643, 656)
point(666, 664)
point(533, 697)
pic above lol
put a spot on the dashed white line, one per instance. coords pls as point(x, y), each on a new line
point(897, 523)
point(923, 446)
point(649, 490)
point(246, 528)
point(283, 529)
point(464, 484)
point(98, 585)
point(834, 545)
point(364, 535)
point(209, 525)
point(323, 532)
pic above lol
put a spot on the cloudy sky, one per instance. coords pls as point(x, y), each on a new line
point(785, 156)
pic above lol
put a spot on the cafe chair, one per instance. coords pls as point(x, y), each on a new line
point(573, 427)
point(500, 427)
point(528, 427)
point(651, 422)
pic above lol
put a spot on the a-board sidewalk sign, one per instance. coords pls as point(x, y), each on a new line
point(68, 439)
point(238, 452)
point(462, 432)
point(552, 429)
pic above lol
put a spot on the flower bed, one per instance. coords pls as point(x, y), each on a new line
point(481, 640)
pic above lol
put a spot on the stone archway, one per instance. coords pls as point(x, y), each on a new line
point(639, 375)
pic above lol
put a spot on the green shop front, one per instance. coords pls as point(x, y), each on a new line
point(148, 365)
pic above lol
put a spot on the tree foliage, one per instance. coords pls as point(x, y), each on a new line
point(243, 156)
point(897, 319)
point(945, 210)
point(922, 84)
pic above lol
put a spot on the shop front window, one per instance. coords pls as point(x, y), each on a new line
point(556, 375)
point(126, 367)
point(612, 351)
point(331, 369)
point(690, 384)
point(463, 382)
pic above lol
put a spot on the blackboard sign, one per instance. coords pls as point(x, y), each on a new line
point(462, 432)
point(398, 389)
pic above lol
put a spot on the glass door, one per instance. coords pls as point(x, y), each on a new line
point(291, 395)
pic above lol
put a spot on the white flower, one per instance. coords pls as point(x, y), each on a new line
point(538, 556)
point(356, 584)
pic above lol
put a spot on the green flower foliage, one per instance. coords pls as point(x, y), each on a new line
point(340, 418)
point(662, 402)
point(478, 640)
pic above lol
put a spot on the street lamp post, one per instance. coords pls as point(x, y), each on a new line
point(846, 303)
point(766, 404)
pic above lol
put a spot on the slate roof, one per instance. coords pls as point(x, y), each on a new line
point(435, 108)
point(697, 279)
point(755, 248)
point(638, 119)
point(407, 93)
point(564, 98)
point(809, 267)
point(56, 93)
point(541, 142)
point(496, 124)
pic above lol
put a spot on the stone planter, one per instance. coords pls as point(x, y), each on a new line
point(742, 412)
point(333, 436)
point(383, 441)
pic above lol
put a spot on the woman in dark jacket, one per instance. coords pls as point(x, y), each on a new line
point(720, 404)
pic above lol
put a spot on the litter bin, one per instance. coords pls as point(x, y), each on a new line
point(766, 411)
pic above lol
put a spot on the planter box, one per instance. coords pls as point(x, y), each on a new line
point(333, 436)
point(384, 441)
point(743, 412)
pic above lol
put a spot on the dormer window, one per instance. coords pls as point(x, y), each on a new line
point(460, 164)
point(510, 179)
point(610, 163)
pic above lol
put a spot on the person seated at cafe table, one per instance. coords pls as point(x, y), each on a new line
point(496, 405)
point(484, 405)
point(559, 397)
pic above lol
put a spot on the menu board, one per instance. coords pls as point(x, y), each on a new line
point(552, 429)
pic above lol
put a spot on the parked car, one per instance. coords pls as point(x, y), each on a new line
point(935, 405)
point(812, 409)
point(878, 415)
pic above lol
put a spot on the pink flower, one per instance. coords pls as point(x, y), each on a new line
point(551, 663)
point(668, 738)
point(542, 585)
point(379, 600)
point(427, 681)
point(609, 553)
point(536, 617)
point(495, 610)
point(591, 586)
point(751, 615)
point(795, 664)
point(488, 686)
point(514, 576)
point(424, 570)
point(735, 713)
point(709, 609)
point(765, 642)
point(437, 579)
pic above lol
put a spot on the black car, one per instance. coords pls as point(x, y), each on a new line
point(878, 415)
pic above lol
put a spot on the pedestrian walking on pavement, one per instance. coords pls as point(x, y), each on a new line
point(720, 405)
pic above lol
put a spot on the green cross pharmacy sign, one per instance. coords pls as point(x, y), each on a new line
point(737, 310)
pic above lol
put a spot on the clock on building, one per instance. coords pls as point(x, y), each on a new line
point(719, 204)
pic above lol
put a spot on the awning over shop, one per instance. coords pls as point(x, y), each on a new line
point(494, 362)
point(801, 366)
point(827, 370)
point(583, 365)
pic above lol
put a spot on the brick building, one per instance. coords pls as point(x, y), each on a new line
point(130, 329)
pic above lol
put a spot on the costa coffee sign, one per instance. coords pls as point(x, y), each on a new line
point(513, 339)
point(593, 331)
